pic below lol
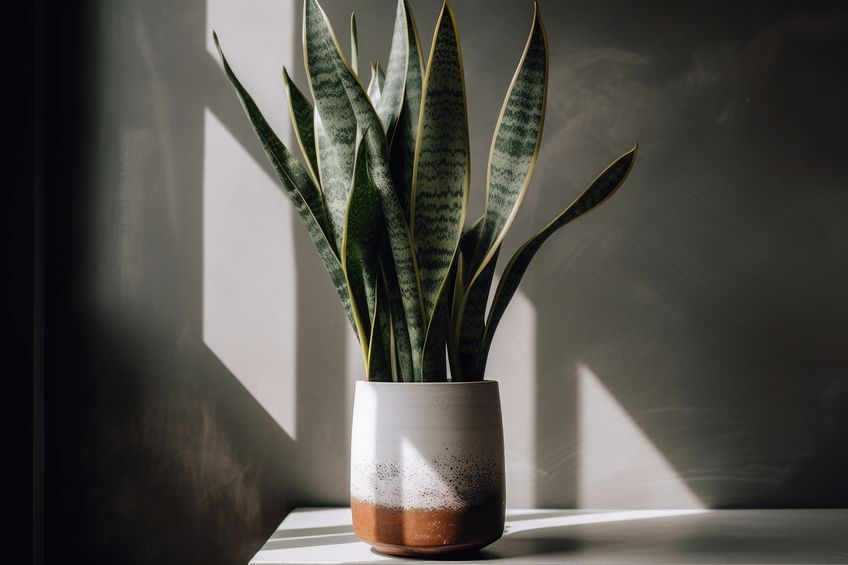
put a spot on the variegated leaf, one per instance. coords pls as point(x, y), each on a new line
point(515, 145)
point(380, 361)
point(400, 244)
point(455, 298)
point(296, 184)
point(402, 347)
point(512, 159)
point(471, 322)
point(404, 134)
point(396, 224)
point(596, 194)
point(467, 320)
point(303, 122)
point(390, 105)
point(442, 163)
point(335, 122)
point(360, 250)
point(375, 87)
point(434, 368)
point(354, 45)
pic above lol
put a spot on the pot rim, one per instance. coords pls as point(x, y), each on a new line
point(424, 384)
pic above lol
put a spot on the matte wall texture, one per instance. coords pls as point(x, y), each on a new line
point(683, 346)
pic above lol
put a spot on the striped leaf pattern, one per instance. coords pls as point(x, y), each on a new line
point(335, 122)
point(379, 362)
point(467, 323)
point(296, 184)
point(404, 134)
point(400, 244)
point(442, 162)
point(402, 347)
point(303, 121)
point(515, 145)
point(596, 194)
point(360, 254)
point(471, 321)
point(389, 108)
point(397, 229)
point(375, 87)
point(433, 363)
point(512, 158)
point(384, 193)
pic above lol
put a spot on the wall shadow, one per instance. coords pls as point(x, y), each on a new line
point(323, 387)
point(707, 294)
point(156, 452)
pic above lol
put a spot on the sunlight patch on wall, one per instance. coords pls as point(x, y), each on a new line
point(259, 37)
point(248, 274)
point(619, 466)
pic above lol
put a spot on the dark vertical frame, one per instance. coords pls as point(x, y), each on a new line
point(21, 304)
point(39, 161)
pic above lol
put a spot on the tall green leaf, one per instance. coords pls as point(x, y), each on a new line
point(467, 330)
point(513, 154)
point(296, 184)
point(400, 243)
point(455, 298)
point(360, 251)
point(319, 29)
point(442, 163)
point(335, 122)
point(389, 109)
point(515, 145)
point(512, 158)
point(375, 86)
point(354, 45)
point(304, 126)
point(380, 361)
point(402, 347)
point(402, 128)
point(470, 324)
point(433, 364)
point(596, 194)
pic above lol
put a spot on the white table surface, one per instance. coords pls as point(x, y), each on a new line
point(679, 537)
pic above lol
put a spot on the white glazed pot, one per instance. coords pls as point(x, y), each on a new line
point(427, 466)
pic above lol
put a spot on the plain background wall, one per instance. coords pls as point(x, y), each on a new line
point(683, 346)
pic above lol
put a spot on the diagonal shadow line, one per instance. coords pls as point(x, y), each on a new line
point(304, 532)
point(223, 103)
point(319, 320)
point(538, 515)
point(310, 541)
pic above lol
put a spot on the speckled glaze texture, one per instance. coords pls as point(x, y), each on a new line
point(427, 466)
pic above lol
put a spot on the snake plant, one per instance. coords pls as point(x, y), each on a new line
point(383, 191)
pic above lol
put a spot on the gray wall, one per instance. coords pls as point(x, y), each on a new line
point(684, 346)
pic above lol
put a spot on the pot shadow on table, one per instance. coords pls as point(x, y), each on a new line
point(693, 539)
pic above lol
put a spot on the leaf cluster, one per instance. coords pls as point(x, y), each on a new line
point(383, 191)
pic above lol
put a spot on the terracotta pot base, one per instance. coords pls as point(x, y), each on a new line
point(427, 466)
point(408, 551)
point(428, 532)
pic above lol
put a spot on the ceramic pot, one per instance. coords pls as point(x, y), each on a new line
point(427, 466)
